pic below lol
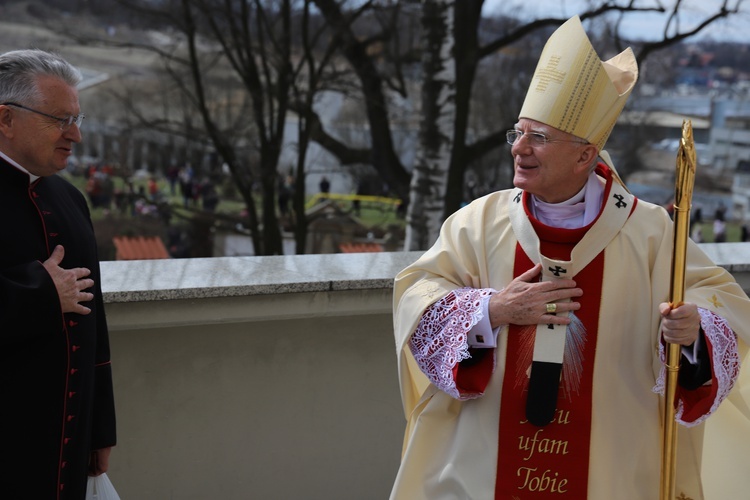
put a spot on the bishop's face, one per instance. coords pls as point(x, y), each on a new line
point(553, 167)
point(38, 143)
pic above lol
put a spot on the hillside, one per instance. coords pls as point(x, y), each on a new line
point(26, 24)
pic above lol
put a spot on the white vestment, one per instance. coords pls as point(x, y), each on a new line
point(450, 446)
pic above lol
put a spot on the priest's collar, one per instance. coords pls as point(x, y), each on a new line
point(32, 177)
point(576, 212)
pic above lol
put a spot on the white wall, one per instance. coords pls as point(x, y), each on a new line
point(307, 408)
point(264, 377)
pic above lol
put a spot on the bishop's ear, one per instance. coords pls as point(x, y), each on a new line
point(6, 120)
point(588, 155)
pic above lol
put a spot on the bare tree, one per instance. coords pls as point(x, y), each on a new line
point(248, 43)
point(315, 73)
point(358, 51)
point(468, 53)
point(256, 40)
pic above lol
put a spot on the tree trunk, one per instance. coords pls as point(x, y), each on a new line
point(467, 16)
point(383, 155)
point(298, 202)
point(428, 182)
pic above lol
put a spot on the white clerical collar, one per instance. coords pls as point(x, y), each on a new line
point(32, 177)
point(576, 212)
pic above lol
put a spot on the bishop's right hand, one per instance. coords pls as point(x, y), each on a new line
point(524, 300)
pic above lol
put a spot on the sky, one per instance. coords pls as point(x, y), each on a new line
point(641, 26)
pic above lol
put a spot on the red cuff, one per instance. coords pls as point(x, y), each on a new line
point(473, 374)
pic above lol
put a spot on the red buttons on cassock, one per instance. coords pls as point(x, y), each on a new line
point(76, 347)
point(73, 371)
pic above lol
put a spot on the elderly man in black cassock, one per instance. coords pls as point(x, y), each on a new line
point(58, 419)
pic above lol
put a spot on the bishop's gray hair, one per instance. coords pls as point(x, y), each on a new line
point(19, 70)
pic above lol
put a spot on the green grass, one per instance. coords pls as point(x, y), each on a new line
point(733, 231)
point(372, 214)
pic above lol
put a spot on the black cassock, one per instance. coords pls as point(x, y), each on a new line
point(55, 378)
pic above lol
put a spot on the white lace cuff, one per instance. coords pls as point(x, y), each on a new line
point(440, 341)
point(725, 363)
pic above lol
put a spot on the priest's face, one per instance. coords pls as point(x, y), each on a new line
point(549, 163)
point(35, 136)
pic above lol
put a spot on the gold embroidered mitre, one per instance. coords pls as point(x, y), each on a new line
point(574, 91)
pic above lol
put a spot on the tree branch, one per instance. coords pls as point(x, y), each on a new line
point(345, 154)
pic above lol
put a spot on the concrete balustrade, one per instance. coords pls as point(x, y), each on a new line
point(263, 377)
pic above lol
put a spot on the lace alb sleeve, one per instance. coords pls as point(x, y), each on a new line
point(725, 363)
point(440, 340)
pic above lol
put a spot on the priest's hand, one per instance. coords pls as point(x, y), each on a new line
point(99, 461)
point(524, 301)
point(680, 325)
point(70, 283)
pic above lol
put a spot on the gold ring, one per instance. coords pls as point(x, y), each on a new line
point(551, 308)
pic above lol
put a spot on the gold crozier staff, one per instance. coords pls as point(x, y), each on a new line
point(684, 180)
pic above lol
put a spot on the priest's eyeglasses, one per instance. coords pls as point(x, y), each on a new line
point(64, 122)
point(535, 138)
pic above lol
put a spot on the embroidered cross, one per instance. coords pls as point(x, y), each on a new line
point(430, 290)
point(620, 203)
point(715, 301)
point(557, 270)
point(550, 74)
point(517, 199)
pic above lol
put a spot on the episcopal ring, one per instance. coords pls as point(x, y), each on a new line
point(551, 308)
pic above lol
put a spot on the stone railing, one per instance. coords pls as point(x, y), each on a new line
point(263, 377)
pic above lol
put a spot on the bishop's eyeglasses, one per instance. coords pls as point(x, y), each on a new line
point(64, 122)
point(535, 138)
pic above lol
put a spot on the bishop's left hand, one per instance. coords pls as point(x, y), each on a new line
point(680, 325)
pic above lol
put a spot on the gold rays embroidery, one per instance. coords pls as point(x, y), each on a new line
point(525, 355)
point(683, 497)
point(575, 340)
point(715, 301)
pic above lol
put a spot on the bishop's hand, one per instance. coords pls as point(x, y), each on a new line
point(680, 325)
point(528, 301)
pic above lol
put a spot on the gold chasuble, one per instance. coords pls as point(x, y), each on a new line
point(604, 439)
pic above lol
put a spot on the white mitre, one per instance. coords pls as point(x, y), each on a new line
point(574, 91)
